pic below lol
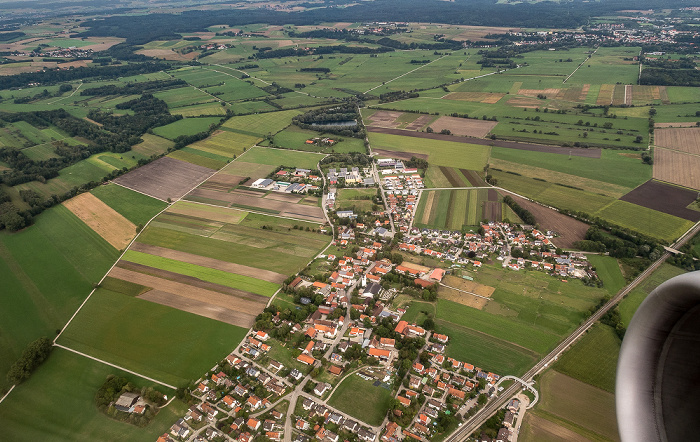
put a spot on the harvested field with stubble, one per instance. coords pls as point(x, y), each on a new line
point(383, 118)
point(681, 139)
point(383, 153)
point(665, 198)
point(569, 229)
point(464, 126)
point(105, 221)
point(677, 168)
point(165, 178)
point(223, 215)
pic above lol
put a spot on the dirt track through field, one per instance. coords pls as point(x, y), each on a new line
point(105, 221)
point(211, 263)
point(577, 152)
point(195, 296)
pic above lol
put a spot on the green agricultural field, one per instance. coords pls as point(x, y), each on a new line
point(47, 270)
point(217, 150)
point(281, 157)
point(294, 137)
point(647, 221)
point(451, 209)
point(184, 96)
point(417, 312)
point(197, 110)
point(262, 124)
point(60, 395)
point(227, 279)
point(136, 207)
point(359, 200)
point(485, 351)
point(279, 248)
point(622, 168)
point(149, 338)
point(633, 300)
point(186, 126)
point(152, 145)
point(440, 153)
point(608, 271)
point(362, 400)
point(593, 359)
point(609, 63)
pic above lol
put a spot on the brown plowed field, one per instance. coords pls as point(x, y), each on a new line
point(286, 197)
point(165, 178)
point(196, 297)
point(399, 155)
point(222, 181)
point(419, 122)
point(105, 221)
point(383, 118)
point(493, 211)
point(473, 177)
point(664, 198)
point(677, 168)
point(200, 308)
point(452, 176)
point(578, 152)
point(301, 211)
point(203, 261)
point(464, 126)
point(569, 229)
point(682, 139)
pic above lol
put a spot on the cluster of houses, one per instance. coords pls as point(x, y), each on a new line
point(506, 432)
point(312, 409)
point(500, 241)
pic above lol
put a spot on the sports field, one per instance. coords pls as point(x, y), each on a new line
point(362, 400)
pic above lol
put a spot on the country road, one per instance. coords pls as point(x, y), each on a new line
point(495, 404)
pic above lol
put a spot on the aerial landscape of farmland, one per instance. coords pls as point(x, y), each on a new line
point(374, 221)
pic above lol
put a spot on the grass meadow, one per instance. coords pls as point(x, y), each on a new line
point(186, 126)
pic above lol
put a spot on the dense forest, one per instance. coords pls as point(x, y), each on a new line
point(325, 120)
point(142, 29)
